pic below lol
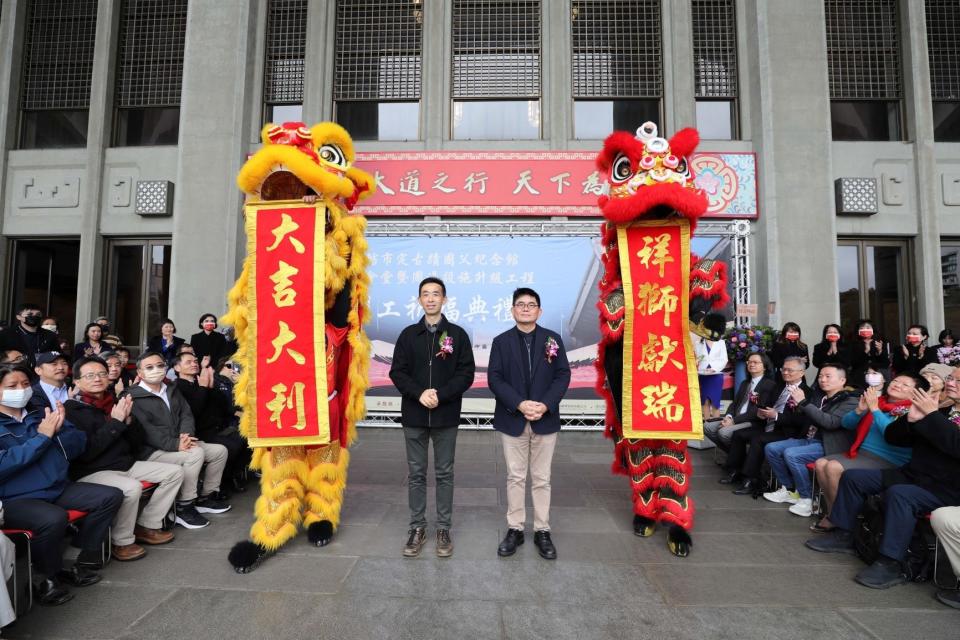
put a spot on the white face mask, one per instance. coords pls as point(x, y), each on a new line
point(154, 376)
point(50, 327)
point(873, 379)
point(16, 398)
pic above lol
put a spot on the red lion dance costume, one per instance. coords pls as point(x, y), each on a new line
point(646, 370)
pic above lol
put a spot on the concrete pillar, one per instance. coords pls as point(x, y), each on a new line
point(215, 104)
point(678, 72)
point(90, 267)
point(11, 46)
point(318, 62)
point(791, 133)
point(435, 73)
point(920, 127)
point(556, 107)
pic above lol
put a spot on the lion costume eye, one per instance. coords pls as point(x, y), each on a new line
point(622, 170)
point(331, 153)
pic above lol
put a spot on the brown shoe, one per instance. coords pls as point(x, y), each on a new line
point(417, 537)
point(152, 536)
point(128, 552)
point(444, 543)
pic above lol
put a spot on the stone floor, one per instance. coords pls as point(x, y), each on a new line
point(749, 575)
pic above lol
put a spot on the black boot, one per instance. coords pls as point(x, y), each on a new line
point(511, 541)
point(545, 545)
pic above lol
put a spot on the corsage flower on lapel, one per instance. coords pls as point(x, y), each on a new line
point(446, 345)
point(551, 349)
point(754, 397)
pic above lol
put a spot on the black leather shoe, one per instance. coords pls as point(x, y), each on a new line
point(90, 559)
point(238, 484)
point(51, 593)
point(730, 478)
point(79, 576)
point(746, 488)
point(511, 541)
point(545, 545)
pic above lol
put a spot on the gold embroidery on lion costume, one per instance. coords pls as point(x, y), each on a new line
point(304, 484)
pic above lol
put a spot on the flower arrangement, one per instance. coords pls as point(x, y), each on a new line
point(744, 341)
point(446, 345)
point(949, 355)
point(551, 349)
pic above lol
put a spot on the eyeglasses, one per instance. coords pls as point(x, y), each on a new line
point(950, 379)
point(154, 367)
point(791, 370)
point(103, 375)
point(529, 306)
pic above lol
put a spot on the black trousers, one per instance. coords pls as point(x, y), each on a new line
point(48, 521)
point(746, 450)
point(238, 453)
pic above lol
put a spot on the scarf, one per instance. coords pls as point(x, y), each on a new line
point(898, 408)
point(104, 404)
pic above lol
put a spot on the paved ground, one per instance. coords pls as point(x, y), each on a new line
point(749, 575)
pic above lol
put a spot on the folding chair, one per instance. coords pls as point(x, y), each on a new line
point(936, 562)
point(815, 492)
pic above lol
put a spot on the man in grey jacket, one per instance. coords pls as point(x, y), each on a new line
point(169, 428)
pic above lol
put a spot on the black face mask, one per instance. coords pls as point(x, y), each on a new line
point(32, 321)
point(104, 329)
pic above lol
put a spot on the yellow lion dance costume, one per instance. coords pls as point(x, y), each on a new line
point(304, 484)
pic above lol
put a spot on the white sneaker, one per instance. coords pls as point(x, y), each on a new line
point(803, 507)
point(780, 495)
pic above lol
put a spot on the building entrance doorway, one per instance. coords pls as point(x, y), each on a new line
point(875, 281)
point(138, 288)
point(44, 272)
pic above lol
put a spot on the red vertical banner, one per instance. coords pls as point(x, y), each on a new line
point(286, 302)
point(661, 394)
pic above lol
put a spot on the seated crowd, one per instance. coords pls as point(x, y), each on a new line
point(880, 420)
point(137, 447)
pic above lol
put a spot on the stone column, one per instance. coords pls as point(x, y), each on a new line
point(214, 106)
point(791, 133)
point(920, 127)
point(678, 71)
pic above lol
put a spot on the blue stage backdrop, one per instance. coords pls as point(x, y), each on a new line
point(481, 274)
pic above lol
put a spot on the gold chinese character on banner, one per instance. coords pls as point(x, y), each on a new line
point(285, 337)
point(284, 229)
point(651, 298)
point(655, 250)
point(656, 353)
point(282, 400)
point(658, 402)
point(283, 293)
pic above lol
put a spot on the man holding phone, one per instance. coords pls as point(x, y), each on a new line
point(169, 429)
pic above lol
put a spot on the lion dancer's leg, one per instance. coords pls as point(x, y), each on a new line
point(659, 470)
point(278, 509)
point(326, 476)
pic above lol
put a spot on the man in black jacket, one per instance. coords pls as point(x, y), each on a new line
point(929, 481)
point(529, 374)
point(110, 458)
point(751, 396)
point(26, 336)
point(432, 368)
point(779, 414)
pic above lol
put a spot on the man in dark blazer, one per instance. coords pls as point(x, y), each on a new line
point(751, 395)
point(529, 374)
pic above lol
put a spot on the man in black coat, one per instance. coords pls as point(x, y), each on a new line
point(780, 417)
point(929, 481)
point(529, 374)
point(432, 368)
point(26, 335)
point(751, 395)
